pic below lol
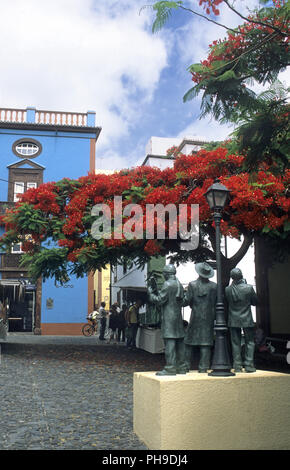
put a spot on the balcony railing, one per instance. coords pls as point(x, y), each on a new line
point(60, 118)
point(36, 116)
point(12, 115)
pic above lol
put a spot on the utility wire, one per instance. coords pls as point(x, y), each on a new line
point(6, 181)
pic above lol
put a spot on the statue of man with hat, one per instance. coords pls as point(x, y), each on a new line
point(170, 300)
point(201, 297)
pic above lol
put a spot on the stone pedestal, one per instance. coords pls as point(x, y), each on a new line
point(195, 411)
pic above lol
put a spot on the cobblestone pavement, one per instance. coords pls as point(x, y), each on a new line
point(62, 393)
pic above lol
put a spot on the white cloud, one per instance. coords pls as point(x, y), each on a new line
point(79, 55)
point(208, 129)
point(109, 158)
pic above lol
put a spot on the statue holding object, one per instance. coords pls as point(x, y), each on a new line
point(170, 299)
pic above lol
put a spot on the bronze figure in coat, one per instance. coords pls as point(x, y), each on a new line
point(240, 296)
point(170, 300)
point(201, 297)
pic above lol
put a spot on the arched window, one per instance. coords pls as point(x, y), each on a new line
point(27, 148)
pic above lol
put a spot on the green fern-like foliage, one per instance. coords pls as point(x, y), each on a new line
point(163, 11)
point(265, 133)
point(225, 80)
point(49, 262)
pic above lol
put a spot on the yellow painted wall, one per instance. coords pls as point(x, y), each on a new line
point(106, 285)
point(104, 294)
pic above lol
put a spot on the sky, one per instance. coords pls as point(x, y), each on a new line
point(101, 55)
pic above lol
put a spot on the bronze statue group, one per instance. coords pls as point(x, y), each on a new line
point(201, 297)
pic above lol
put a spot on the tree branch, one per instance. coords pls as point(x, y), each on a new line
point(236, 59)
point(236, 258)
point(209, 19)
point(254, 21)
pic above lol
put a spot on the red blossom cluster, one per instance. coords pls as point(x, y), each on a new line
point(255, 203)
point(259, 204)
point(241, 42)
point(43, 198)
point(210, 5)
point(279, 3)
point(152, 247)
point(172, 151)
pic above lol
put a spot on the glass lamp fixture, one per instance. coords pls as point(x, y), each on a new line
point(217, 196)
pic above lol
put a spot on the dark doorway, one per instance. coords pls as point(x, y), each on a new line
point(20, 316)
point(18, 299)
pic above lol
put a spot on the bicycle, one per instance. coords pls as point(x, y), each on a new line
point(89, 329)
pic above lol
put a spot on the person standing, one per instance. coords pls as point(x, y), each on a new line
point(116, 306)
point(170, 299)
point(201, 297)
point(103, 320)
point(3, 324)
point(113, 323)
point(132, 321)
point(122, 323)
point(240, 296)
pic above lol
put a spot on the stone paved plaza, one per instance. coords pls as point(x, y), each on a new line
point(69, 393)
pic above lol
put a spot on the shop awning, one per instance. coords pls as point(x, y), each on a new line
point(15, 289)
point(18, 283)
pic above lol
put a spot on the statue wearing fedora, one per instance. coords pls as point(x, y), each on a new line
point(240, 296)
point(170, 300)
point(201, 297)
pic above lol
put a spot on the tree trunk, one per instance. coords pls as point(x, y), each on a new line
point(230, 263)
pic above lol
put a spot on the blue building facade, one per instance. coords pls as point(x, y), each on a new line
point(35, 147)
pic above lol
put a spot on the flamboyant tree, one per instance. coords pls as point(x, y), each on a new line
point(254, 52)
point(54, 222)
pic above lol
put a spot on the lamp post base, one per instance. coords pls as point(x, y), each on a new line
point(221, 373)
point(221, 364)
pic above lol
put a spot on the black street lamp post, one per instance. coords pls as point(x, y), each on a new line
point(217, 196)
